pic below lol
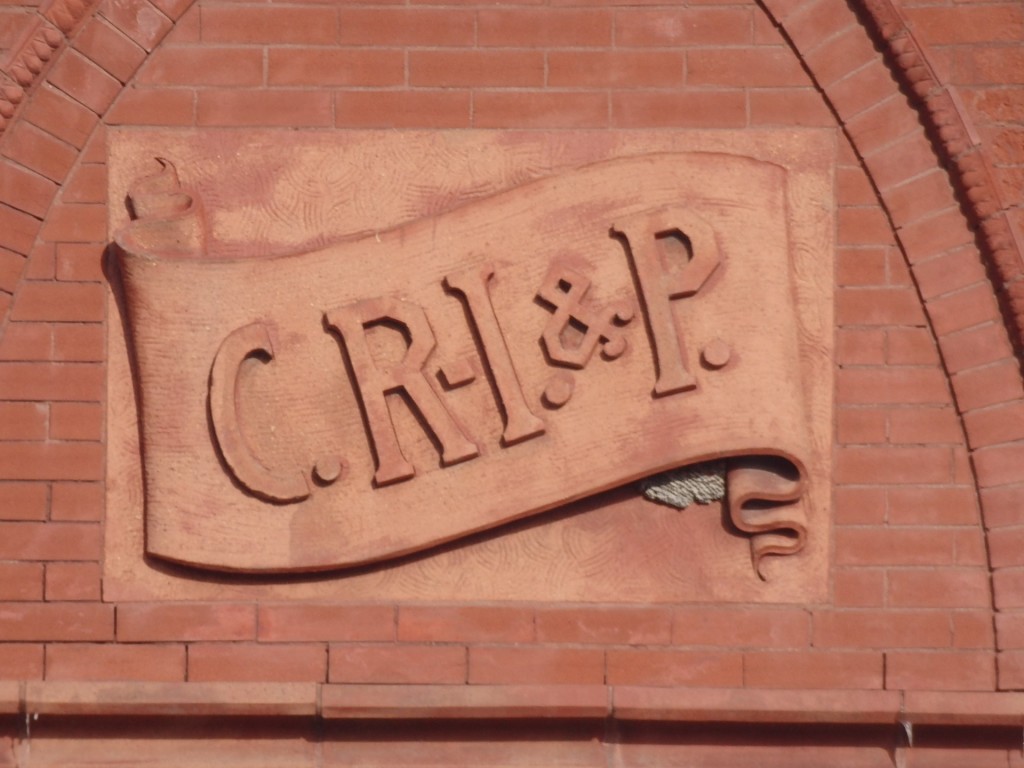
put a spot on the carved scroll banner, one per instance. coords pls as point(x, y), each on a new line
point(382, 395)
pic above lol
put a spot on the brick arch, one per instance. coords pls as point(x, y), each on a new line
point(897, 154)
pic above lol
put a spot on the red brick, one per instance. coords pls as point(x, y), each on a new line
point(1010, 666)
point(545, 109)
point(27, 342)
point(859, 506)
point(23, 501)
point(970, 547)
point(853, 187)
point(883, 465)
point(1010, 630)
point(789, 107)
point(88, 184)
point(50, 541)
point(73, 581)
point(924, 425)
point(929, 237)
point(60, 301)
point(287, 623)
point(861, 89)
point(406, 26)
point(139, 20)
point(940, 671)
point(962, 24)
point(859, 267)
point(1000, 465)
point(950, 588)
point(896, 385)
point(1004, 547)
point(22, 421)
point(863, 226)
point(76, 421)
point(60, 115)
point(148, 622)
point(682, 668)
point(931, 505)
point(79, 343)
point(551, 666)
point(542, 28)
point(893, 546)
point(858, 587)
point(686, 109)
point(24, 190)
point(85, 81)
point(178, 9)
point(153, 106)
point(51, 461)
point(241, 662)
point(881, 629)
point(476, 68)
point(989, 385)
point(973, 629)
point(110, 48)
point(781, 669)
point(315, 66)
point(17, 230)
point(1008, 588)
point(910, 346)
point(615, 69)
point(1001, 506)
point(1002, 423)
point(861, 425)
point(404, 664)
point(151, 663)
point(291, 108)
point(21, 581)
point(982, 344)
point(744, 67)
point(920, 196)
point(21, 661)
point(845, 53)
point(52, 381)
point(11, 268)
point(35, 149)
point(749, 627)
point(465, 624)
point(670, 27)
point(56, 622)
point(604, 625)
point(41, 264)
point(403, 109)
point(208, 65)
point(96, 147)
point(878, 306)
point(76, 224)
point(237, 23)
point(963, 309)
point(77, 501)
point(80, 262)
point(860, 346)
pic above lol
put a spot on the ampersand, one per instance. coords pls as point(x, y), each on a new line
point(574, 330)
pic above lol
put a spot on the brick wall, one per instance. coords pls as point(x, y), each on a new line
point(926, 567)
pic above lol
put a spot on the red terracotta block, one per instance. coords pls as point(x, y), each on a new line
point(346, 67)
point(930, 505)
point(86, 81)
point(149, 622)
point(95, 150)
point(926, 238)
point(17, 230)
point(615, 69)
point(176, 9)
point(950, 588)
point(76, 421)
point(80, 262)
point(50, 541)
point(465, 624)
point(861, 89)
point(973, 629)
point(675, 26)
point(21, 581)
point(541, 109)
point(394, 27)
point(811, 669)
point(687, 109)
point(671, 668)
point(551, 666)
point(206, 65)
point(894, 546)
point(87, 184)
point(884, 124)
point(78, 343)
point(290, 663)
point(1000, 465)
point(52, 381)
point(38, 150)
point(76, 224)
point(924, 425)
point(77, 501)
point(911, 346)
point(861, 266)
point(878, 306)
point(12, 265)
point(73, 581)
point(1003, 423)
point(403, 109)
point(153, 106)
point(860, 346)
point(398, 664)
point(881, 629)
point(238, 23)
point(896, 164)
point(1010, 630)
point(1008, 588)
point(542, 28)
point(976, 346)
point(963, 309)
point(21, 661)
point(27, 342)
point(290, 108)
point(919, 197)
point(60, 115)
point(135, 663)
point(1010, 668)
point(1004, 545)
point(860, 506)
point(812, 23)
point(617, 626)
point(940, 670)
point(858, 587)
point(280, 622)
point(749, 627)
point(25, 190)
point(141, 21)
point(888, 465)
point(744, 67)
point(970, 547)
point(55, 622)
point(23, 501)
point(110, 48)
point(41, 264)
point(66, 302)
point(853, 186)
point(476, 68)
point(846, 52)
point(988, 385)
point(51, 461)
point(861, 425)
point(990, 22)
point(910, 385)
point(22, 421)
point(789, 107)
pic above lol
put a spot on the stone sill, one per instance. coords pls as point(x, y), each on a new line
point(331, 702)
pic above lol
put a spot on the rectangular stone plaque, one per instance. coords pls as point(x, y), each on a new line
point(436, 365)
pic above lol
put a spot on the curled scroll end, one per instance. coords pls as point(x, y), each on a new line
point(165, 219)
point(763, 492)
